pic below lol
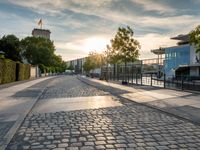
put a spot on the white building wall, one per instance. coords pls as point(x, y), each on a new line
point(194, 71)
point(193, 55)
point(34, 72)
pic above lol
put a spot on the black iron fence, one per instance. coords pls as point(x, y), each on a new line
point(135, 74)
point(183, 82)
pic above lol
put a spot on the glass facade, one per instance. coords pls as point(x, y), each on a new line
point(176, 56)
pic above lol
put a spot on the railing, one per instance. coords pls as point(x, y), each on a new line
point(183, 83)
point(131, 76)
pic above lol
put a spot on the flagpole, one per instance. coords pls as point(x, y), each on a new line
point(41, 23)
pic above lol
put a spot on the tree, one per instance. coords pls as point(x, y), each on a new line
point(10, 45)
point(112, 57)
point(124, 48)
point(93, 61)
point(70, 67)
point(41, 51)
point(38, 50)
point(195, 38)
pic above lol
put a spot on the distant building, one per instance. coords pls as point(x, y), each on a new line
point(78, 65)
point(41, 33)
point(181, 59)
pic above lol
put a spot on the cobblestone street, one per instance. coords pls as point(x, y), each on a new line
point(127, 125)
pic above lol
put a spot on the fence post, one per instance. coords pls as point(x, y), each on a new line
point(132, 73)
point(164, 81)
point(182, 82)
point(136, 79)
point(151, 79)
point(141, 78)
point(128, 73)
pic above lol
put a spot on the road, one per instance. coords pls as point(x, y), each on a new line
point(73, 115)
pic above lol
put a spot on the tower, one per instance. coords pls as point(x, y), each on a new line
point(41, 33)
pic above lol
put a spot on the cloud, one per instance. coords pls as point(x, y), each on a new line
point(152, 5)
point(83, 46)
point(41, 7)
point(104, 9)
point(149, 42)
point(76, 23)
point(174, 23)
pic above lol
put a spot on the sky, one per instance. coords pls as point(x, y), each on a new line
point(80, 26)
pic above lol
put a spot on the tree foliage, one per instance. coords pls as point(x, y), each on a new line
point(70, 67)
point(195, 37)
point(93, 61)
point(10, 45)
point(41, 51)
point(34, 50)
point(124, 48)
point(38, 50)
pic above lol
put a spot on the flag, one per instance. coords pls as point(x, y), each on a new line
point(40, 23)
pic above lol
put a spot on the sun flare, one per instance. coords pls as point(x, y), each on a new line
point(97, 44)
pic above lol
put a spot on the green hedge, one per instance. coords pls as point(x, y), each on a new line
point(23, 72)
point(11, 71)
point(7, 71)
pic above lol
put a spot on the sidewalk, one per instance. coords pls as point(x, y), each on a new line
point(183, 104)
point(15, 103)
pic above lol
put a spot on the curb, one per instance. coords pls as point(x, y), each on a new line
point(145, 104)
point(8, 137)
point(7, 85)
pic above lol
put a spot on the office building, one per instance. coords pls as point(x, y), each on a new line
point(180, 60)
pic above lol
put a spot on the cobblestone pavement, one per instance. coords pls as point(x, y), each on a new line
point(69, 86)
point(131, 126)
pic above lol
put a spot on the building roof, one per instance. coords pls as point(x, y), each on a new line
point(159, 51)
point(181, 37)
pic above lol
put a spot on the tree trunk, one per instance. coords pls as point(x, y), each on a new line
point(125, 70)
point(107, 73)
point(114, 71)
point(125, 79)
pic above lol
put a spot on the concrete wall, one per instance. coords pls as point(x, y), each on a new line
point(34, 72)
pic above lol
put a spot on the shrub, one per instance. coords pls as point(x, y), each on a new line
point(11, 71)
point(23, 71)
point(7, 71)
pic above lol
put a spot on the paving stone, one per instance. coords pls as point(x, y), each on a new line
point(37, 147)
point(51, 146)
point(131, 126)
point(59, 149)
point(63, 145)
point(87, 148)
point(121, 145)
point(100, 142)
point(89, 143)
point(100, 147)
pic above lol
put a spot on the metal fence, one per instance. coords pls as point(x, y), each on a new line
point(183, 83)
point(135, 74)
